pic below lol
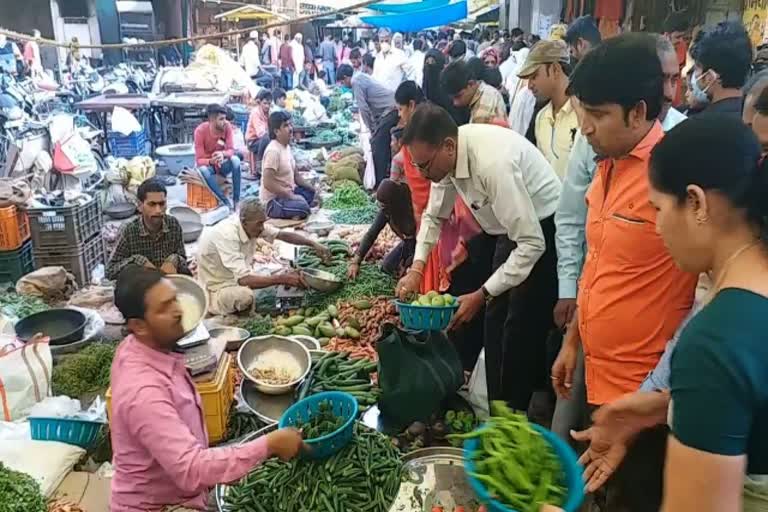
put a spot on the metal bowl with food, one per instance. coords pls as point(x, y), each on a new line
point(275, 364)
point(192, 299)
point(234, 336)
point(321, 280)
point(319, 227)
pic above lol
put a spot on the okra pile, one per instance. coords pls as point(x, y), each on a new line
point(322, 423)
point(515, 463)
point(364, 476)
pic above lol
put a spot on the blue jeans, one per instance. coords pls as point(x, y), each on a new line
point(287, 76)
point(231, 165)
point(294, 208)
point(330, 72)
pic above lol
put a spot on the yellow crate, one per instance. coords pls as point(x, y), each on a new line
point(216, 396)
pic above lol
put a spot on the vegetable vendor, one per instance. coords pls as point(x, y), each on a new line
point(512, 192)
point(215, 153)
point(154, 239)
point(284, 193)
point(395, 209)
point(161, 457)
point(225, 259)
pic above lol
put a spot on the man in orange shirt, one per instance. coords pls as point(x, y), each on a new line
point(631, 297)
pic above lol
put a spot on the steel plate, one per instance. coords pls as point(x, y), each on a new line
point(268, 408)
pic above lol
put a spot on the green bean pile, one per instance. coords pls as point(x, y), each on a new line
point(371, 282)
point(363, 215)
point(348, 195)
point(336, 371)
point(364, 476)
point(515, 463)
point(19, 492)
point(321, 423)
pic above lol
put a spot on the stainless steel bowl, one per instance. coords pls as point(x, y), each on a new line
point(235, 336)
point(253, 347)
point(319, 227)
point(185, 285)
point(191, 231)
point(308, 341)
point(321, 280)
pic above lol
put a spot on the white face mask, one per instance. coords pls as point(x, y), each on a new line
point(385, 47)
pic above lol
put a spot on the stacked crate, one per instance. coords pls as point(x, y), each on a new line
point(15, 245)
point(69, 237)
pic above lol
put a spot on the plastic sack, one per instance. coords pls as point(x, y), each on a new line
point(48, 462)
point(478, 388)
point(124, 122)
point(25, 375)
point(55, 407)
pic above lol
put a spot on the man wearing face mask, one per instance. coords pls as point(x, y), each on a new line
point(722, 62)
point(391, 66)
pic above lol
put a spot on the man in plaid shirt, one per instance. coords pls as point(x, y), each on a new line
point(153, 240)
point(486, 104)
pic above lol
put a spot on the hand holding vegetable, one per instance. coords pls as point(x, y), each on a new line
point(409, 284)
point(292, 279)
point(324, 253)
point(353, 269)
point(284, 443)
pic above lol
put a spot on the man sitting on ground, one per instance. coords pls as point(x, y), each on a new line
point(284, 192)
point(215, 153)
point(225, 259)
point(152, 240)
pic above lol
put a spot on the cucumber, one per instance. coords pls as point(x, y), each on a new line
point(293, 320)
point(301, 330)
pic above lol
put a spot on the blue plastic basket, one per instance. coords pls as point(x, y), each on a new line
point(344, 405)
point(81, 433)
point(128, 146)
point(564, 453)
point(425, 318)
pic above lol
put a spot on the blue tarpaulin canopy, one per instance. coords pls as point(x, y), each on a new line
point(408, 7)
point(413, 21)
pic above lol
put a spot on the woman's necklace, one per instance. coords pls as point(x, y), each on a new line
point(727, 266)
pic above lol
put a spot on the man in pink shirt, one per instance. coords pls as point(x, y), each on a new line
point(215, 153)
point(258, 120)
point(161, 457)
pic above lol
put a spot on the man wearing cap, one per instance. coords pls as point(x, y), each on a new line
point(391, 66)
point(547, 68)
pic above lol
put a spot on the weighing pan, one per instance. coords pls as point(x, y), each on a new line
point(61, 325)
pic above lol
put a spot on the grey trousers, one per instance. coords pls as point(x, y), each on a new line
point(574, 412)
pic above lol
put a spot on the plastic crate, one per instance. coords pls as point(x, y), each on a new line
point(241, 114)
point(80, 433)
point(199, 196)
point(15, 264)
point(344, 405)
point(64, 226)
point(14, 228)
point(128, 146)
point(80, 260)
point(216, 396)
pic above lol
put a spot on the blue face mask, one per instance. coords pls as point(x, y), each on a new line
point(699, 94)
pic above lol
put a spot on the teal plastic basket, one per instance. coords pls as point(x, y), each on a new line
point(344, 405)
point(425, 318)
point(80, 433)
point(563, 452)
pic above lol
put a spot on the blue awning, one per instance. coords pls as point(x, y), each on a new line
point(413, 21)
point(408, 7)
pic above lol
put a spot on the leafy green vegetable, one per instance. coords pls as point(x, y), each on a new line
point(21, 306)
point(348, 195)
point(258, 325)
point(19, 492)
point(371, 282)
point(84, 372)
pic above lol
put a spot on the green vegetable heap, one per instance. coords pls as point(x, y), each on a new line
point(335, 371)
point(371, 281)
point(21, 306)
point(348, 195)
point(325, 136)
point(308, 258)
point(258, 325)
point(321, 423)
point(310, 322)
point(515, 463)
point(363, 215)
point(85, 372)
point(19, 492)
point(364, 476)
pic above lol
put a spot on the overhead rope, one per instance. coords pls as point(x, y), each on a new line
point(152, 44)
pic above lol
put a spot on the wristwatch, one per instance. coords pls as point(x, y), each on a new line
point(486, 294)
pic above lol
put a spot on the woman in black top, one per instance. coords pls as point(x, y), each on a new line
point(395, 209)
point(434, 62)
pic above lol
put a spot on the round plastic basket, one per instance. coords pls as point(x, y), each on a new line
point(564, 453)
point(71, 431)
point(344, 405)
point(425, 318)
